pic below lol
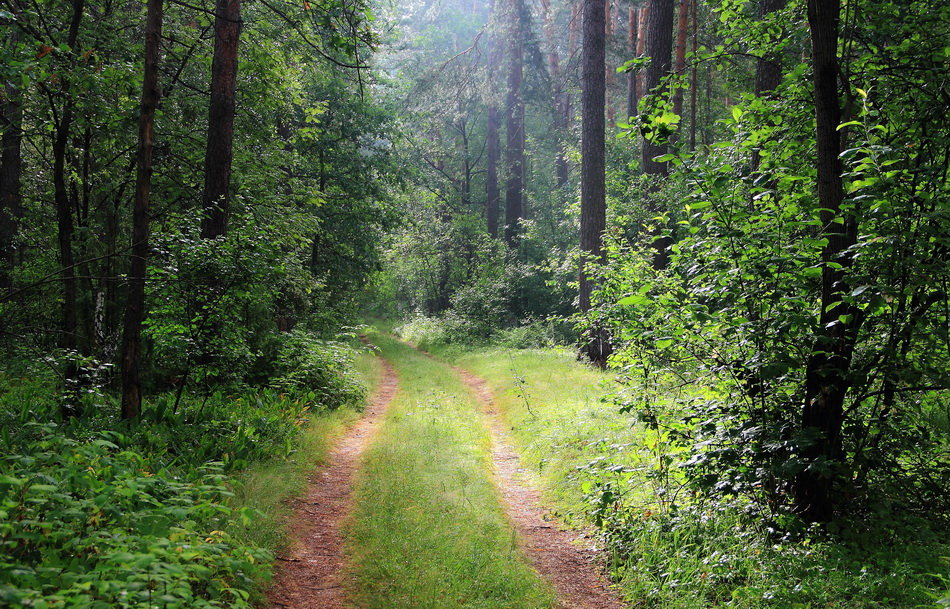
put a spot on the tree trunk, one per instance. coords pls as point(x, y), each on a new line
point(64, 225)
point(492, 195)
point(768, 69)
point(135, 306)
point(682, 31)
point(593, 195)
point(827, 371)
point(610, 75)
point(11, 168)
point(574, 28)
point(514, 122)
point(493, 125)
point(558, 97)
point(694, 79)
point(224, 65)
point(642, 45)
point(633, 24)
point(659, 47)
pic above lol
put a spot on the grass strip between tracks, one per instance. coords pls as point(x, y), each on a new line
point(428, 529)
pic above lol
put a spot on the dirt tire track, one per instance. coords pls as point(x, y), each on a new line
point(309, 573)
point(570, 567)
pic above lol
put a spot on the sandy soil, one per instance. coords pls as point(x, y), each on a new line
point(309, 573)
point(563, 557)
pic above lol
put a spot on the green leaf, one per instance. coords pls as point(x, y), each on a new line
point(634, 300)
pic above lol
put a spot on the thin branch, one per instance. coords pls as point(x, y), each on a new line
point(310, 43)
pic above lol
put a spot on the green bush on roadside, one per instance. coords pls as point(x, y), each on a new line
point(99, 512)
point(89, 524)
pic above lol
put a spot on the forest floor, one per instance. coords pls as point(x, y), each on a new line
point(424, 503)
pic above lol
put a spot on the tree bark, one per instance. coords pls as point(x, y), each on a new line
point(493, 153)
point(659, 47)
point(682, 31)
point(558, 97)
point(827, 370)
point(768, 68)
point(493, 125)
point(694, 79)
point(633, 24)
point(11, 169)
point(641, 45)
point(593, 193)
point(514, 123)
point(219, 151)
point(64, 225)
point(135, 306)
point(610, 75)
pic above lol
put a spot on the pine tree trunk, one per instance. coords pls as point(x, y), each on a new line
point(64, 224)
point(827, 371)
point(694, 78)
point(561, 167)
point(768, 69)
point(682, 32)
point(633, 25)
point(610, 74)
point(514, 123)
point(493, 153)
point(219, 151)
point(11, 168)
point(642, 45)
point(135, 306)
point(659, 47)
point(593, 194)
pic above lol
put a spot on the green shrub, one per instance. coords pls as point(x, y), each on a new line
point(536, 334)
point(320, 370)
point(446, 329)
point(453, 328)
point(89, 524)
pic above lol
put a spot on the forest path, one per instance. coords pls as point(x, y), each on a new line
point(310, 573)
point(414, 510)
point(561, 556)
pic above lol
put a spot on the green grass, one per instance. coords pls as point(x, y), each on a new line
point(596, 466)
point(427, 529)
point(268, 485)
point(557, 417)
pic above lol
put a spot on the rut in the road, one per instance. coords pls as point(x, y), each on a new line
point(559, 555)
point(310, 571)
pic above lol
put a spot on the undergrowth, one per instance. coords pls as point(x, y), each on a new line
point(181, 508)
point(451, 328)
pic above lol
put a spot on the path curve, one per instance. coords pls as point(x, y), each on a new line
point(310, 571)
point(563, 557)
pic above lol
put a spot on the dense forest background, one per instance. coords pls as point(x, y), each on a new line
point(741, 207)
